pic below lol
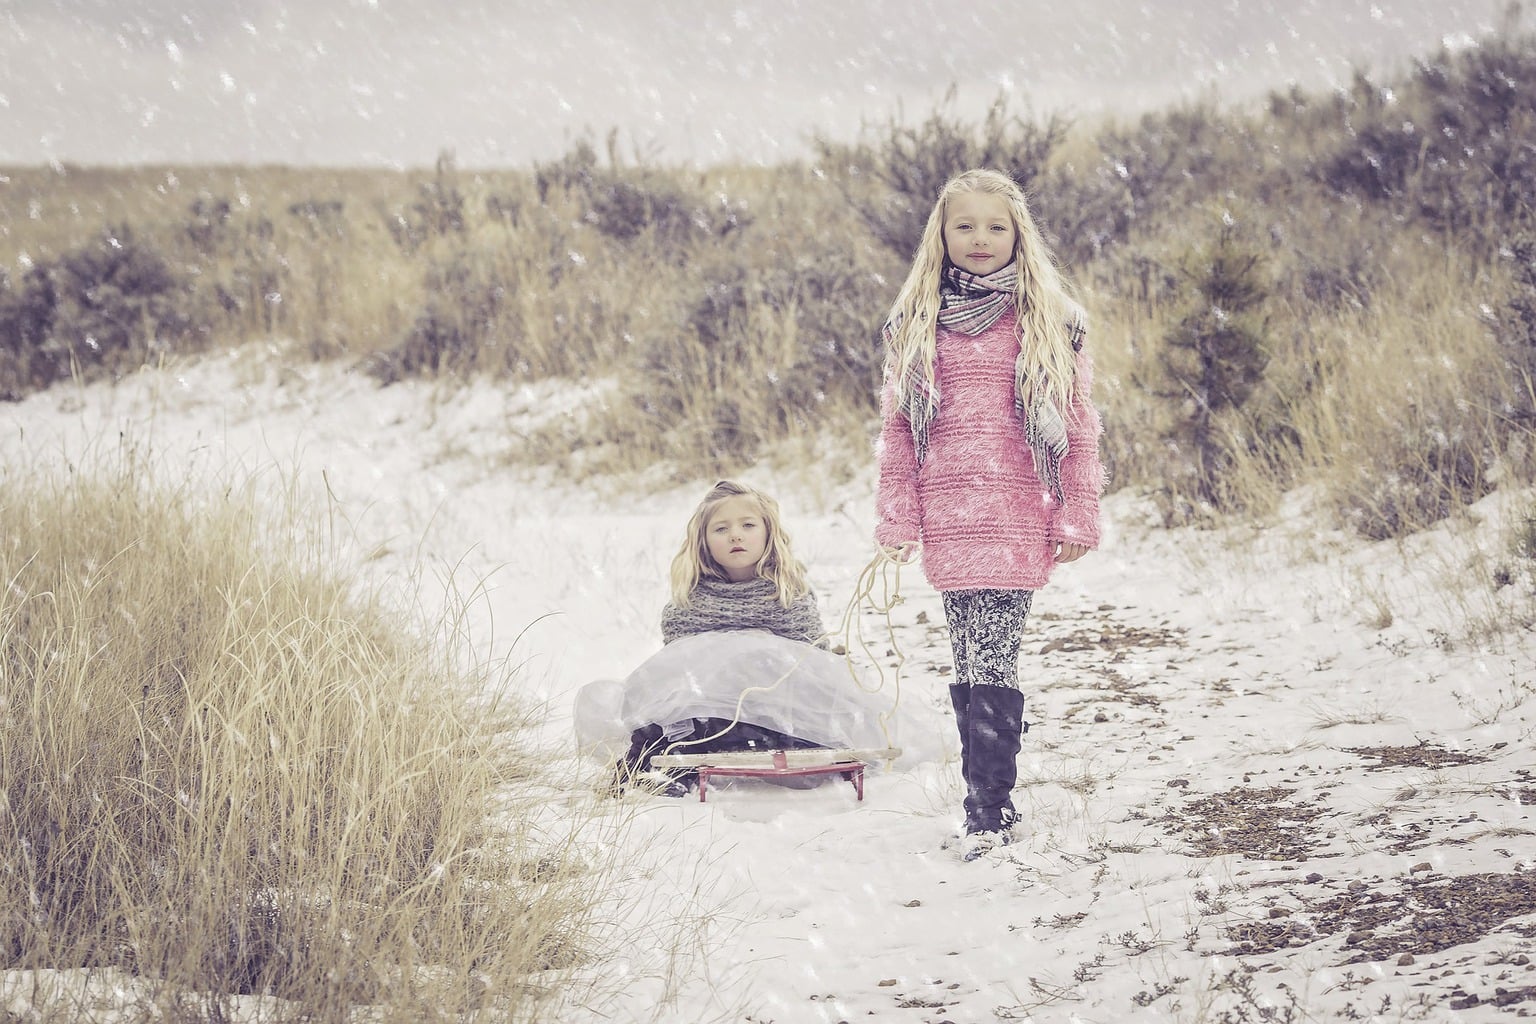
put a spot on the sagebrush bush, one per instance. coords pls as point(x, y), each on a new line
point(1168, 161)
point(893, 174)
point(103, 308)
point(1451, 145)
point(623, 203)
point(437, 210)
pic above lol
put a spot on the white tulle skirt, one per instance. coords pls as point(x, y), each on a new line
point(749, 676)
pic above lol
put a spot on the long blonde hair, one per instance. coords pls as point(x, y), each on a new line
point(694, 562)
point(1045, 310)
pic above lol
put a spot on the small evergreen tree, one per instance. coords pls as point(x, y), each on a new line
point(1214, 356)
point(1516, 334)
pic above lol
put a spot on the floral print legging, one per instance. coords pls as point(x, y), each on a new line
point(985, 629)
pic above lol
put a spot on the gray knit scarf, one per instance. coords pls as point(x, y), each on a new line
point(970, 303)
point(752, 604)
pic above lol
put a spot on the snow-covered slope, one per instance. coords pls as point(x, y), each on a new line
point(1253, 782)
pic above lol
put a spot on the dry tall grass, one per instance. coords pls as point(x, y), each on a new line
point(234, 778)
point(1395, 411)
point(711, 318)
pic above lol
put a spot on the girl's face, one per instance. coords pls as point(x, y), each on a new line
point(736, 536)
point(978, 232)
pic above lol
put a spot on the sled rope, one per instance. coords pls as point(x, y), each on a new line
point(741, 699)
point(878, 587)
point(882, 577)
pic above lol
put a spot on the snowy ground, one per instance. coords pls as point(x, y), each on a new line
point(1259, 788)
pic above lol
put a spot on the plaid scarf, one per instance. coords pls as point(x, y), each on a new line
point(970, 303)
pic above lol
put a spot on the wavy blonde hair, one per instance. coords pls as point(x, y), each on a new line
point(1045, 309)
point(694, 562)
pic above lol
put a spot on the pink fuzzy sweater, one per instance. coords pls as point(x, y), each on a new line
point(984, 519)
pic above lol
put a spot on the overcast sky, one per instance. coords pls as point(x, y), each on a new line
point(503, 82)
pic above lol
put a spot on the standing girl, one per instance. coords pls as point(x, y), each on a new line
point(988, 457)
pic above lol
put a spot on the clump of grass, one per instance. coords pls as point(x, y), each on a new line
point(228, 772)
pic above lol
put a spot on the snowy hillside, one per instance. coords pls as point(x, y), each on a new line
point(1261, 786)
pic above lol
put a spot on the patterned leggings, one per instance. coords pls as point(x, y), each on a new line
point(985, 629)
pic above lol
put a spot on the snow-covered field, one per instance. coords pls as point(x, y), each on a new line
point(1260, 786)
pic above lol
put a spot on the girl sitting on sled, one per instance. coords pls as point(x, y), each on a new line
point(745, 665)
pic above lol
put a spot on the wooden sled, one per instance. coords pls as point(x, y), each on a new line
point(770, 764)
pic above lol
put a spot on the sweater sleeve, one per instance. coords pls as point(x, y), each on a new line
point(897, 506)
point(1082, 473)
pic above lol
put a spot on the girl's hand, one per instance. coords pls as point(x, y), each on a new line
point(902, 552)
point(1066, 551)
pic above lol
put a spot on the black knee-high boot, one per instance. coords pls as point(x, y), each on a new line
point(996, 728)
point(960, 699)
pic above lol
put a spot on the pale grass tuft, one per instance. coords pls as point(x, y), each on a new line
point(1488, 707)
point(233, 774)
point(1373, 712)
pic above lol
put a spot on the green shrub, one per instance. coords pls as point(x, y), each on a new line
point(210, 217)
point(26, 322)
point(464, 310)
point(1454, 145)
point(1522, 541)
point(1383, 152)
point(1515, 331)
point(1421, 477)
point(766, 349)
point(101, 309)
point(437, 210)
point(322, 218)
point(1140, 179)
point(624, 203)
point(1214, 356)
